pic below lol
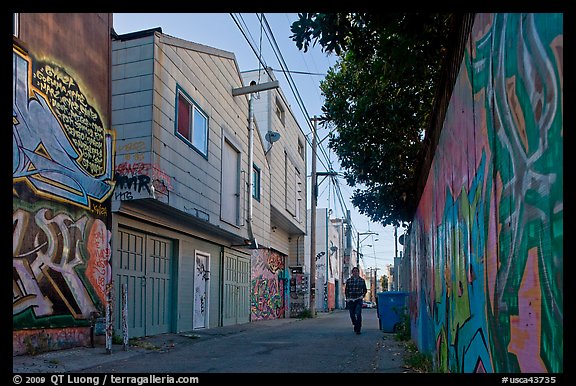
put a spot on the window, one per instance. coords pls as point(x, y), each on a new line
point(299, 195)
point(293, 187)
point(279, 110)
point(192, 124)
point(256, 182)
point(301, 148)
point(230, 194)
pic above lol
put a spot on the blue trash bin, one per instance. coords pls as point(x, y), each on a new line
point(391, 307)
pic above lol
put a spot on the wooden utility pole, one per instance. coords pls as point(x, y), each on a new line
point(313, 223)
point(395, 241)
point(375, 283)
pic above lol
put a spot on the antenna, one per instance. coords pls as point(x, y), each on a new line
point(272, 136)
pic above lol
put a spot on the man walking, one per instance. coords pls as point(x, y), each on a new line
point(354, 292)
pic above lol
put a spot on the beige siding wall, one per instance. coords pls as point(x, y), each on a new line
point(208, 77)
point(279, 240)
point(285, 161)
point(296, 251)
point(283, 157)
point(261, 209)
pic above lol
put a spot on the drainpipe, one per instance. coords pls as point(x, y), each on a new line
point(253, 241)
point(253, 88)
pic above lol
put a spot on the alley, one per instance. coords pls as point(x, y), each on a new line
point(325, 344)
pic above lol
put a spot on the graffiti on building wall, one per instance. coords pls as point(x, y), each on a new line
point(61, 265)
point(60, 148)
point(486, 242)
point(138, 179)
point(62, 172)
point(267, 290)
point(298, 292)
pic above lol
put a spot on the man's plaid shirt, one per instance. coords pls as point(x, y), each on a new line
point(355, 288)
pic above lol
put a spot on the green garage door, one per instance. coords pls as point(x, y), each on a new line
point(236, 293)
point(143, 263)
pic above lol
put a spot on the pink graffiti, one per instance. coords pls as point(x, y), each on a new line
point(98, 270)
point(161, 181)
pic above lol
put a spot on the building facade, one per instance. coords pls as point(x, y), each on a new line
point(278, 264)
point(62, 175)
point(331, 247)
point(182, 244)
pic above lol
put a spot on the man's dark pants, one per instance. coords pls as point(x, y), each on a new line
point(355, 309)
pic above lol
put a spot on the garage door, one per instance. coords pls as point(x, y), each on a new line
point(236, 293)
point(143, 263)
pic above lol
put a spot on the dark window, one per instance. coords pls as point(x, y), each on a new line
point(256, 182)
point(192, 124)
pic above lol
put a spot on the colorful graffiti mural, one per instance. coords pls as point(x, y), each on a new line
point(61, 265)
point(60, 147)
point(267, 287)
point(486, 243)
point(62, 182)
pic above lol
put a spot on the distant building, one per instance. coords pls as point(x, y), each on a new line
point(330, 247)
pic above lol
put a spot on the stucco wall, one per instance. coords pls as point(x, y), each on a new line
point(485, 248)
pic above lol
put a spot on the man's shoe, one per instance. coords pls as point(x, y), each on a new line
point(358, 332)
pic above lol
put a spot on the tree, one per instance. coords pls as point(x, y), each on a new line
point(379, 98)
point(384, 282)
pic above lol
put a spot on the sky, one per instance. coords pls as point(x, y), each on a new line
point(245, 35)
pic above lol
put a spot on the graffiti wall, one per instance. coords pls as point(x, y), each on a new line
point(485, 245)
point(267, 287)
point(299, 294)
point(62, 182)
point(136, 177)
point(321, 294)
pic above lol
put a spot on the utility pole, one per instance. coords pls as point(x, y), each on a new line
point(395, 241)
point(313, 223)
point(375, 282)
point(358, 249)
point(396, 258)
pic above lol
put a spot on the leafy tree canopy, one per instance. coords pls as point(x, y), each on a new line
point(379, 98)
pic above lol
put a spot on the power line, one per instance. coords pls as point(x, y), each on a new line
point(300, 72)
point(258, 56)
point(291, 83)
point(287, 73)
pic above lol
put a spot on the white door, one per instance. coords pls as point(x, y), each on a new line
point(201, 289)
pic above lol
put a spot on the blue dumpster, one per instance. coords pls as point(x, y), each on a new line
point(391, 307)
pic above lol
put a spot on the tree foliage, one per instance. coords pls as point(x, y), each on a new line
point(379, 98)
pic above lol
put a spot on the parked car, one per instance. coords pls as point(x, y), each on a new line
point(366, 304)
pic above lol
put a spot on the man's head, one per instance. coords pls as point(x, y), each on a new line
point(355, 271)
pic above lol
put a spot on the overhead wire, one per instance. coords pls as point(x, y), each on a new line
point(244, 33)
point(287, 73)
point(291, 83)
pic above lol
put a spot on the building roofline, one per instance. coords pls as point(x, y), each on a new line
point(137, 34)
